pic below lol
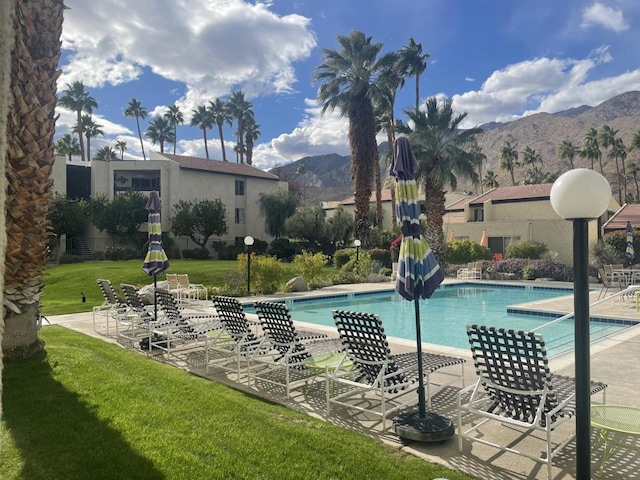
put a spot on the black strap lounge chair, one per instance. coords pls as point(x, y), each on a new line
point(386, 377)
point(112, 305)
point(516, 388)
point(135, 321)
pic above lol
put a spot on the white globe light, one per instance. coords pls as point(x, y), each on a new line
point(580, 193)
point(357, 243)
point(248, 240)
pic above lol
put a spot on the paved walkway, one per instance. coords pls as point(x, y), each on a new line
point(615, 360)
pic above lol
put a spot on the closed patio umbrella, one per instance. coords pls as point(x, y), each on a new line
point(484, 240)
point(156, 261)
point(418, 276)
point(629, 252)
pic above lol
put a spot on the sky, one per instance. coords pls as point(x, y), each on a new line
point(498, 60)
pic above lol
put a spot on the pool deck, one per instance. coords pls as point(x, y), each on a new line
point(614, 360)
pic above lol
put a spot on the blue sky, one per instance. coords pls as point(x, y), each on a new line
point(497, 59)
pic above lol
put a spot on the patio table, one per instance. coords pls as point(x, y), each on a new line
point(613, 422)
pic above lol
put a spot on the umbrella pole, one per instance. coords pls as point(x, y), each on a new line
point(155, 299)
point(422, 412)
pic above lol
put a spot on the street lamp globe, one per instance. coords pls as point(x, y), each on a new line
point(248, 240)
point(580, 193)
point(357, 243)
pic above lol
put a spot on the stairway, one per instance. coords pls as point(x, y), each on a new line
point(79, 244)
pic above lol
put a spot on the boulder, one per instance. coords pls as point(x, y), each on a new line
point(146, 292)
point(298, 284)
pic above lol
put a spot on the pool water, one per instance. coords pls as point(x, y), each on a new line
point(443, 317)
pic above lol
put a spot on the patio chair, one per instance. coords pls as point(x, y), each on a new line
point(112, 305)
point(516, 388)
point(136, 319)
point(607, 283)
point(191, 291)
point(463, 273)
point(387, 378)
point(292, 348)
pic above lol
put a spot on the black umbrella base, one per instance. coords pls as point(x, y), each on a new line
point(432, 428)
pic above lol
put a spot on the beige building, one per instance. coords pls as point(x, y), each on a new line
point(510, 214)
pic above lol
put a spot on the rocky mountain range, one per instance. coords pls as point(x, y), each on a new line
point(328, 177)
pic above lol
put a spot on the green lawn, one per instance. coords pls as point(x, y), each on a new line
point(92, 410)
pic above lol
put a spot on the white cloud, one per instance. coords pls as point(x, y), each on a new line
point(604, 16)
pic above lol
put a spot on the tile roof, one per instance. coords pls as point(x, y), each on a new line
point(386, 197)
point(628, 213)
point(518, 193)
point(218, 166)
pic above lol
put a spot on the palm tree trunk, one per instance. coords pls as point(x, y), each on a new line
point(618, 180)
point(635, 179)
point(224, 154)
point(144, 157)
point(80, 135)
point(175, 137)
point(417, 91)
point(88, 148)
point(513, 178)
point(206, 147)
point(378, 182)
point(434, 203)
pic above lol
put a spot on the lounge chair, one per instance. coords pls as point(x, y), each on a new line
point(112, 306)
point(516, 388)
point(387, 378)
point(137, 317)
point(291, 348)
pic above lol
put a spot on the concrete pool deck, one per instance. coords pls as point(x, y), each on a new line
point(614, 360)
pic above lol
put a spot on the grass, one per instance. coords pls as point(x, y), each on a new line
point(92, 410)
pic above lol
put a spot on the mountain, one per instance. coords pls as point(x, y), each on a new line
point(328, 177)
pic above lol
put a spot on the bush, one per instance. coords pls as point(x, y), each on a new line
point(539, 268)
point(382, 256)
point(121, 253)
point(267, 273)
point(283, 249)
point(343, 256)
point(310, 266)
point(382, 238)
point(465, 251)
point(525, 249)
point(196, 254)
point(67, 257)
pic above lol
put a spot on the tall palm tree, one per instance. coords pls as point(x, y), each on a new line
point(251, 134)
point(239, 109)
point(174, 116)
point(30, 127)
point(135, 109)
point(441, 148)
point(348, 82)
point(568, 151)
point(160, 130)
point(122, 147)
point(490, 180)
point(415, 62)
point(607, 139)
point(634, 171)
point(619, 152)
point(106, 154)
point(67, 146)
point(201, 118)
point(479, 158)
point(531, 157)
point(509, 159)
point(221, 115)
point(591, 148)
point(91, 130)
point(77, 99)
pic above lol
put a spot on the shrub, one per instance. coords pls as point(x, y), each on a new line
point(381, 256)
point(310, 266)
point(525, 249)
point(538, 268)
point(120, 253)
point(267, 273)
point(196, 254)
point(465, 251)
point(67, 257)
point(343, 256)
point(379, 238)
point(617, 242)
point(283, 249)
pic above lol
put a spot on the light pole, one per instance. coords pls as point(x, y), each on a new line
point(357, 243)
point(581, 195)
point(248, 241)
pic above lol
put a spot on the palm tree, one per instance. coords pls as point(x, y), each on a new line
point(591, 148)
point(135, 109)
point(221, 115)
point(122, 146)
point(239, 109)
point(30, 89)
point(415, 62)
point(509, 159)
point(91, 130)
point(68, 146)
point(106, 154)
point(301, 171)
point(535, 175)
point(568, 151)
point(490, 180)
point(606, 139)
point(634, 171)
point(160, 130)
point(77, 99)
point(441, 148)
point(201, 118)
point(479, 158)
point(348, 81)
point(251, 133)
point(530, 157)
point(174, 116)
point(619, 151)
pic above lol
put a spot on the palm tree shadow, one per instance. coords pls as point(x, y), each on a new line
point(58, 435)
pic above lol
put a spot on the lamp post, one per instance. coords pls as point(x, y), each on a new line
point(357, 243)
point(581, 195)
point(248, 241)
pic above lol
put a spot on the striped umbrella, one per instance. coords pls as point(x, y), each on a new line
point(629, 252)
point(418, 271)
point(156, 261)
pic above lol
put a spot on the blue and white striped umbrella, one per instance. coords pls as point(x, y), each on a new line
point(630, 251)
point(156, 261)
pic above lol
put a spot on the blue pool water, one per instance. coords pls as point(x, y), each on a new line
point(445, 315)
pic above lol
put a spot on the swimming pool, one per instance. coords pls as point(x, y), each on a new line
point(445, 315)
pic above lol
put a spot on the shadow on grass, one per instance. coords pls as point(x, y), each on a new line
point(56, 434)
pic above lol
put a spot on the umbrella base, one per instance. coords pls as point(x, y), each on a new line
point(432, 428)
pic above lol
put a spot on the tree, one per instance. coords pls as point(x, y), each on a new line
point(536, 175)
point(340, 226)
point(307, 223)
point(479, 158)
point(77, 99)
point(442, 151)
point(91, 130)
point(415, 62)
point(221, 115)
point(531, 157)
point(68, 217)
point(607, 139)
point(120, 217)
point(106, 154)
point(619, 151)
point(276, 208)
point(568, 151)
point(239, 109)
point(122, 147)
point(174, 116)
point(135, 109)
point(509, 159)
point(199, 220)
point(634, 171)
point(201, 118)
point(348, 82)
point(301, 171)
point(490, 180)
point(591, 148)
point(67, 146)
point(160, 131)
point(251, 134)
point(29, 158)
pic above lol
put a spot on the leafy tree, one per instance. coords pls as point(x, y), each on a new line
point(276, 208)
point(67, 216)
point(160, 131)
point(221, 115)
point(67, 146)
point(308, 223)
point(106, 154)
point(120, 217)
point(509, 159)
point(201, 118)
point(121, 146)
point(135, 109)
point(415, 63)
point(568, 151)
point(340, 226)
point(199, 220)
point(239, 109)
point(77, 99)
point(174, 116)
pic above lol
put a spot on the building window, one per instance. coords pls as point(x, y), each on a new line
point(478, 214)
point(136, 180)
point(239, 187)
point(240, 216)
